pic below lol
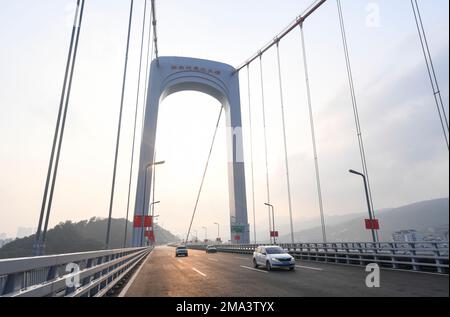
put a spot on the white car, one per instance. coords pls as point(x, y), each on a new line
point(273, 257)
point(181, 250)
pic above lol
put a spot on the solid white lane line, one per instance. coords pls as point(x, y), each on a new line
point(213, 260)
point(253, 269)
point(202, 274)
point(309, 268)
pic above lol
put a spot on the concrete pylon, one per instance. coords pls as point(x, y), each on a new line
point(169, 75)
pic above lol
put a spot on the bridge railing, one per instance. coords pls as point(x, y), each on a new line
point(82, 274)
point(415, 256)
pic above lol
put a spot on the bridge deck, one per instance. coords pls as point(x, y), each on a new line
point(230, 275)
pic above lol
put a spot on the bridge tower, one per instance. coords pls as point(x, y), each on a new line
point(169, 75)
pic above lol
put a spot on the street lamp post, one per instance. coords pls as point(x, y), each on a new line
point(154, 227)
point(367, 199)
point(152, 207)
point(145, 190)
point(218, 231)
point(196, 235)
point(206, 233)
point(273, 222)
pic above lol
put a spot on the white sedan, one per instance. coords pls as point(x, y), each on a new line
point(273, 257)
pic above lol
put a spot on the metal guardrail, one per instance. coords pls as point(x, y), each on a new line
point(82, 274)
point(414, 256)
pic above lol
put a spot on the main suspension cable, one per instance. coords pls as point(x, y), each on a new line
point(111, 202)
point(355, 106)
point(430, 69)
point(313, 135)
point(155, 34)
point(316, 4)
point(204, 173)
point(70, 61)
point(135, 123)
point(288, 182)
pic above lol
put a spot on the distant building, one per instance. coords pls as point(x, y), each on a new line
point(3, 236)
point(407, 236)
point(24, 232)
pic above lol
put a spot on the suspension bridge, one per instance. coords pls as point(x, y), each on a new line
point(324, 268)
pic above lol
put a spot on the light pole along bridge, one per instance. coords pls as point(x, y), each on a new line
point(323, 269)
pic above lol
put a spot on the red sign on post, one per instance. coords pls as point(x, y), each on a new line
point(137, 221)
point(148, 221)
point(237, 238)
point(274, 234)
point(372, 224)
point(150, 235)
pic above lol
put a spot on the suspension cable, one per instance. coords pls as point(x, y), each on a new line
point(285, 142)
point(204, 173)
point(430, 69)
point(63, 125)
point(135, 123)
point(313, 135)
point(153, 188)
point(37, 241)
point(355, 106)
point(111, 202)
point(150, 54)
point(251, 151)
point(265, 141)
point(153, 52)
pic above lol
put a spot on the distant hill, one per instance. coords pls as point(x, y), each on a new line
point(426, 216)
point(69, 237)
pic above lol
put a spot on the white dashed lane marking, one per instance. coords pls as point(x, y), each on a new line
point(202, 274)
point(309, 268)
point(253, 269)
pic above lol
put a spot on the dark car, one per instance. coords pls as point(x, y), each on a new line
point(181, 250)
point(211, 249)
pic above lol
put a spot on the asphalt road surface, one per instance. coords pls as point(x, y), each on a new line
point(233, 275)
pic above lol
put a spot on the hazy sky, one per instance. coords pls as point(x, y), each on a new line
point(406, 153)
